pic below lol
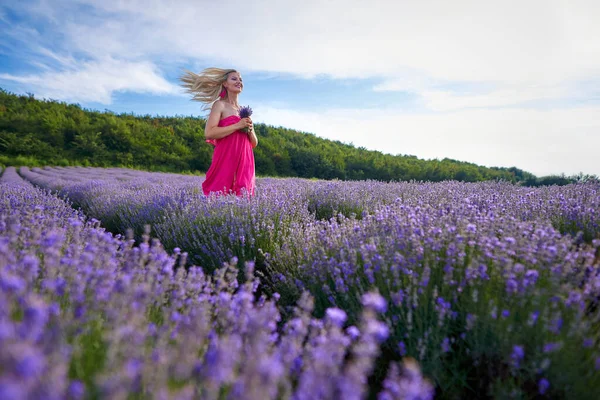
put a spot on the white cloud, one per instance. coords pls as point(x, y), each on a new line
point(505, 41)
point(433, 96)
point(96, 81)
point(439, 100)
point(522, 51)
point(409, 44)
point(66, 61)
point(541, 142)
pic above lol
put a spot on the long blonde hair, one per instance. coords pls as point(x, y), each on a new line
point(207, 85)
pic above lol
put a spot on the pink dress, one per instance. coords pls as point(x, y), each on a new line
point(232, 167)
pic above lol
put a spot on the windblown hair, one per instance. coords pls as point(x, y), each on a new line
point(207, 85)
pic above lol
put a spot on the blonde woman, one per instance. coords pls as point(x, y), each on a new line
point(232, 167)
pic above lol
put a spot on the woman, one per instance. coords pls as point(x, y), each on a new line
point(232, 167)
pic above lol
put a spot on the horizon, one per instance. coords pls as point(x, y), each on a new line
point(502, 84)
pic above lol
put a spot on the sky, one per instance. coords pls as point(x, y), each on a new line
point(497, 83)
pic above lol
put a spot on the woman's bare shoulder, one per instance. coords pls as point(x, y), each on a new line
point(218, 105)
point(215, 112)
point(224, 109)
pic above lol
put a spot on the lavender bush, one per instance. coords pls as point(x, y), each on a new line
point(508, 301)
point(492, 287)
point(85, 314)
point(211, 229)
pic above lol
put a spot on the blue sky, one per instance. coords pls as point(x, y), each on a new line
point(499, 83)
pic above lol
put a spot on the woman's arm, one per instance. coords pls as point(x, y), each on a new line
point(252, 135)
point(213, 130)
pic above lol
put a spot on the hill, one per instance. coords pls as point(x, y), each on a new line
point(48, 132)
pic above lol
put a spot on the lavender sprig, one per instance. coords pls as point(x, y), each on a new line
point(245, 112)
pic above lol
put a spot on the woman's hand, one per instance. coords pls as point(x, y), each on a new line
point(245, 123)
point(252, 135)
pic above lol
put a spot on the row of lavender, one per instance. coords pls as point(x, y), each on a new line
point(85, 314)
point(571, 209)
point(482, 286)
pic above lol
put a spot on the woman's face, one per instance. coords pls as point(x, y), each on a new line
point(234, 82)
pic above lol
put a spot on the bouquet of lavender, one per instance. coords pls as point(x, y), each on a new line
point(245, 112)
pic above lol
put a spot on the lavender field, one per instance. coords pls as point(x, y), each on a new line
point(126, 284)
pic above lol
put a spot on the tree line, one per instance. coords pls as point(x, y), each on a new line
point(37, 132)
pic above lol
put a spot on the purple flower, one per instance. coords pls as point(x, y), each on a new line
point(574, 299)
point(11, 283)
point(552, 347)
point(12, 390)
point(30, 364)
point(408, 385)
point(511, 286)
point(518, 268)
point(374, 301)
point(76, 390)
point(378, 329)
point(297, 365)
point(531, 277)
point(517, 355)
point(533, 317)
point(35, 317)
point(133, 367)
point(336, 316)
point(470, 321)
point(79, 311)
point(446, 345)
point(175, 316)
point(397, 298)
point(543, 385)
point(353, 332)
point(245, 111)
point(443, 306)
point(556, 325)
point(402, 348)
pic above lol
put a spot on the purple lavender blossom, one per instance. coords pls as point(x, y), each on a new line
point(445, 345)
point(336, 316)
point(533, 317)
point(543, 385)
point(531, 277)
point(245, 111)
point(76, 390)
point(511, 286)
point(379, 330)
point(353, 332)
point(402, 348)
point(374, 301)
point(10, 389)
point(408, 385)
point(551, 347)
point(517, 355)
